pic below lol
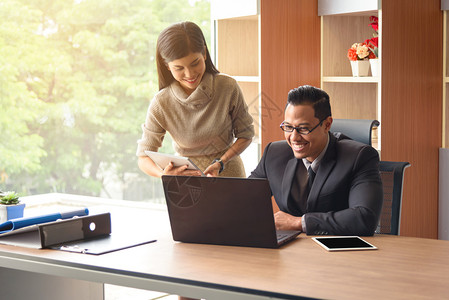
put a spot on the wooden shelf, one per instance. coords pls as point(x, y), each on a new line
point(237, 54)
point(367, 79)
point(246, 78)
point(348, 7)
point(238, 46)
point(351, 97)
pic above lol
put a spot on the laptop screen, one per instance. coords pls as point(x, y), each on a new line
point(220, 210)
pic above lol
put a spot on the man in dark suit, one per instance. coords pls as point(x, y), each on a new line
point(345, 196)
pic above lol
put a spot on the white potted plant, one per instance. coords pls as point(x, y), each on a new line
point(10, 206)
point(359, 55)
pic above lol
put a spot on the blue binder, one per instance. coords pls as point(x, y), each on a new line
point(18, 223)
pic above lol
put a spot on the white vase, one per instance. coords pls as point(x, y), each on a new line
point(374, 62)
point(360, 68)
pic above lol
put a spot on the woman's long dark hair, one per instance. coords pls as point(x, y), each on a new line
point(178, 41)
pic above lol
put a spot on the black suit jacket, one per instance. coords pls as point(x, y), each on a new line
point(346, 196)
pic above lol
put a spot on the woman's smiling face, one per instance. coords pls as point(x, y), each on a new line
point(189, 70)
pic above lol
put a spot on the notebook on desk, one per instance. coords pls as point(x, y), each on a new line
point(222, 211)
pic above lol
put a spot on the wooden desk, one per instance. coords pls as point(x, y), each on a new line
point(401, 268)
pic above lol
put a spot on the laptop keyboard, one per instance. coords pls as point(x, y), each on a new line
point(281, 236)
point(285, 236)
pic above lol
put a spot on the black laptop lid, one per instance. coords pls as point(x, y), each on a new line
point(219, 210)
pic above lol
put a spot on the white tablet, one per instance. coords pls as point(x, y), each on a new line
point(163, 159)
point(342, 243)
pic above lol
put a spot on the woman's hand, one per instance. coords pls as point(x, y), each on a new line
point(170, 169)
point(213, 170)
point(239, 145)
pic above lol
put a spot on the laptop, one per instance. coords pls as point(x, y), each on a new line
point(222, 211)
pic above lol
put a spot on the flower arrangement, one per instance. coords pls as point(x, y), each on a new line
point(360, 51)
point(373, 42)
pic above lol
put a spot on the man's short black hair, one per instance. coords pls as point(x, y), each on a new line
point(307, 94)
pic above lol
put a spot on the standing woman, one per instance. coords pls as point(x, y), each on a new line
point(203, 110)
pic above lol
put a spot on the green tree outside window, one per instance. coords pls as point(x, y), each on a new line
point(76, 78)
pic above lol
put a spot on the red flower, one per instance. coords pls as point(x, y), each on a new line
point(352, 54)
point(372, 42)
point(374, 23)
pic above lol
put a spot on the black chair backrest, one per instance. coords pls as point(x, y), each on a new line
point(392, 174)
point(357, 129)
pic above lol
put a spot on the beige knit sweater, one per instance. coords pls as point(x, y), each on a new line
point(204, 123)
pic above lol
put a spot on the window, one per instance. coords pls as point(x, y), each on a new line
point(76, 78)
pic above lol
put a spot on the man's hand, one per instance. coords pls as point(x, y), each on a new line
point(284, 221)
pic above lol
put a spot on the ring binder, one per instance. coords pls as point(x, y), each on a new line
point(85, 234)
point(81, 228)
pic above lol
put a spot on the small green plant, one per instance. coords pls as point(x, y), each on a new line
point(9, 198)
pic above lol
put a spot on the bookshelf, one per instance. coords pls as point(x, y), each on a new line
point(351, 97)
point(237, 54)
point(406, 97)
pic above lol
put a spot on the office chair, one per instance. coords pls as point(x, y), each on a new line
point(392, 175)
point(357, 129)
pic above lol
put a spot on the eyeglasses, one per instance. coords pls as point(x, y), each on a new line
point(300, 130)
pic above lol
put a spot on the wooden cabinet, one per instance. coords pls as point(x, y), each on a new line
point(261, 44)
point(290, 57)
point(411, 105)
point(405, 98)
point(299, 47)
point(351, 97)
point(236, 53)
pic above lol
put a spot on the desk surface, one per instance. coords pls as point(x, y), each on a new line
point(402, 267)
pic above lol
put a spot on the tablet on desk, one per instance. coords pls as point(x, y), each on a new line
point(342, 243)
point(163, 159)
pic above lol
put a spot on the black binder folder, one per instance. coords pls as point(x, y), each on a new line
point(88, 234)
point(56, 234)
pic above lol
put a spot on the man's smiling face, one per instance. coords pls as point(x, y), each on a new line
point(306, 146)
